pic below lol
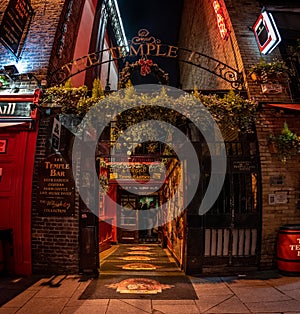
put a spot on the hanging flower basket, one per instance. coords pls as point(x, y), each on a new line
point(269, 72)
point(286, 145)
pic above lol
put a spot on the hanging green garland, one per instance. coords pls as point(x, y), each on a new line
point(231, 110)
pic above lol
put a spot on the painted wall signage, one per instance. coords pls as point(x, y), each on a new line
point(221, 20)
point(296, 247)
point(14, 24)
point(55, 190)
point(266, 33)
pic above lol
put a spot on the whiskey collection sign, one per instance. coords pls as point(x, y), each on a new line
point(15, 23)
point(55, 190)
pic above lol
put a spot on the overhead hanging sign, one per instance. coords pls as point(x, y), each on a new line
point(266, 32)
point(14, 24)
point(146, 46)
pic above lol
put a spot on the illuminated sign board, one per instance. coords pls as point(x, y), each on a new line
point(266, 33)
point(222, 23)
point(14, 109)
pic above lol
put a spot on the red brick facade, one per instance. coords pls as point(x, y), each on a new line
point(199, 32)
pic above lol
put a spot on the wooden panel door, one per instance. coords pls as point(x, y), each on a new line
point(128, 219)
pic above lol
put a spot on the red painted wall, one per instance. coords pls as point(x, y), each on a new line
point(84, 37)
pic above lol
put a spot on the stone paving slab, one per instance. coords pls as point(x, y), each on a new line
point(207, 302)
point(20, 299)
point(8, 310)
point(212, 289)
point(64, 288)
point(43, 306)
point(226, 295)
point(124, 307)
point(266, 294)
point(293, 294)
point(85, 309)
point(178, 309)
point(230, 305)
point(273, 307)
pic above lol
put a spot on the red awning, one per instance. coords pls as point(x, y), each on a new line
point(285, 106)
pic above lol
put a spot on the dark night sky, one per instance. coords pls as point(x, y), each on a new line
point(161, 18)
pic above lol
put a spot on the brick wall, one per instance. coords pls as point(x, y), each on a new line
point(243, 15)
point(272, 171)
point(199, 32)
point(36, 51)
point(51, 29)
point(55, 240)
point(49, 44)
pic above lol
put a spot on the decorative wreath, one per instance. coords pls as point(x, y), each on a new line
point(145, 66)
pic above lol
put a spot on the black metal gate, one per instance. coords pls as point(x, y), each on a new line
point(231, 229)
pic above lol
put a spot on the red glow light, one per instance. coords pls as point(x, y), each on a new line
point(222, 25)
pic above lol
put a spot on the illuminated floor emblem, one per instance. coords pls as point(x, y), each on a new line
point(139, 286)
point(137, 258)
point(140, 248)
point(140, 253)
point(139, 266)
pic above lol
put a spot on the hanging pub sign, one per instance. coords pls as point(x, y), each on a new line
point(55, 188)
point(266, 33)
point(14, 25)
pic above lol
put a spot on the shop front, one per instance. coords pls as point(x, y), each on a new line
point(18, 134)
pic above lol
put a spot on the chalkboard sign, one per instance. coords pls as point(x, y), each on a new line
point(56, 188)
point(14, 23)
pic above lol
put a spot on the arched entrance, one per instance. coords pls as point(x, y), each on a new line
point(228, 234)
point(145, 46)
point(226, 238)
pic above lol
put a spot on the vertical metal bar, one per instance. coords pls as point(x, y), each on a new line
point(232, 217)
